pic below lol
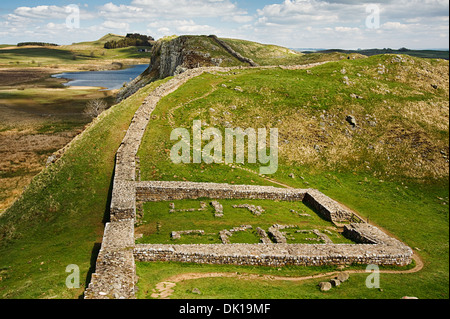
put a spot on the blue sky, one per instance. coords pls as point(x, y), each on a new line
point(346, 24)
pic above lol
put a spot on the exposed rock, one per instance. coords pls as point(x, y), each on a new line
point(335, 282)
point(356, 96)
point(351, 120)
point(325, 286)
point(218, 208)
point(196, 291)
point(52, 159)
point(256, 210)
point(343, 277)
point(263, 235)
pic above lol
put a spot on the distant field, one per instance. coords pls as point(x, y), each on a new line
point(67, 55)
point(77, 53)
point(38, 115)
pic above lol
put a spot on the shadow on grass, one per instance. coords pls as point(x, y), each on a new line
point(97, 246)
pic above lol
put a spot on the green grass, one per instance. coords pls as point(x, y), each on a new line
point(241, 288)
point(384, 186)
point(309, 109)
point(159, 222)
point(429, 54)
point(265, 54)
point(415, 215)
point(59, 219)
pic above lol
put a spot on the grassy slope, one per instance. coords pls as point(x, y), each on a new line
point(413, 209)
point(59, 219)
point(431, 54)
point(266, 54)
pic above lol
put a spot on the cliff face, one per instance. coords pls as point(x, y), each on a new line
point(174, 56)
point(166, 57)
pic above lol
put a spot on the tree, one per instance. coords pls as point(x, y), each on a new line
point(95, 107)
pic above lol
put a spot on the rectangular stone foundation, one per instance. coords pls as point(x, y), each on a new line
point(275, 255)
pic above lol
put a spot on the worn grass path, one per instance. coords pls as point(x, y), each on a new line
point(165, 289)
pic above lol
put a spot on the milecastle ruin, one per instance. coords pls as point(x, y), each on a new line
point(115, 275)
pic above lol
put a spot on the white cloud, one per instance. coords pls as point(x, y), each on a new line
point(116, 25)
point(167, 27)
point(141, 10)
point(292, 23)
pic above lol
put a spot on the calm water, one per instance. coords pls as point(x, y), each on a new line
point(110, 80)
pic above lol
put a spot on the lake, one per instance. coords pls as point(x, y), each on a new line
point(109, 80)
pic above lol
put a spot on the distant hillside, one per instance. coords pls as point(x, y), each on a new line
point(175, 54)
point(101, 42)
point(431, 54)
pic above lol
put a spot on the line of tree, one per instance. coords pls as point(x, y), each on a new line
point(41, 44)
point(132, 39)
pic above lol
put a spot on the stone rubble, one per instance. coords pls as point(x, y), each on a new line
point(255, 210)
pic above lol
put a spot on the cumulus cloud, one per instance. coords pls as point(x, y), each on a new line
point(292, 23)
point(148, 9)
point(168, 27)
point(334, 21)
point(116, 25)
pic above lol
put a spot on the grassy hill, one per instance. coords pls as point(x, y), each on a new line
point(430, 54)
point(84, 53)
point(392, 168)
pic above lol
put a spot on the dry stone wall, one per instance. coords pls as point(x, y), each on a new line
point(168, 191)
point(115, 274)
point(275, 255)
point(233, 52)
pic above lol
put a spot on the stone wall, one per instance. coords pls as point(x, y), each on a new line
point(276, 255)
point(230, 50)
point(167, 191)
point(115, 274)
point(327, 208)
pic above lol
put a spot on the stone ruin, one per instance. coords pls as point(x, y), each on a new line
point(255, 210)
point(218, 209)
point(177, 234)
point(115, 273)
point(226, 234)
point(202, 208)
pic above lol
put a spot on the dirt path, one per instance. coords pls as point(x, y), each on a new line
point(165, 289)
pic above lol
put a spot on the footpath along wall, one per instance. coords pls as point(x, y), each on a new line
point(115, 274)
